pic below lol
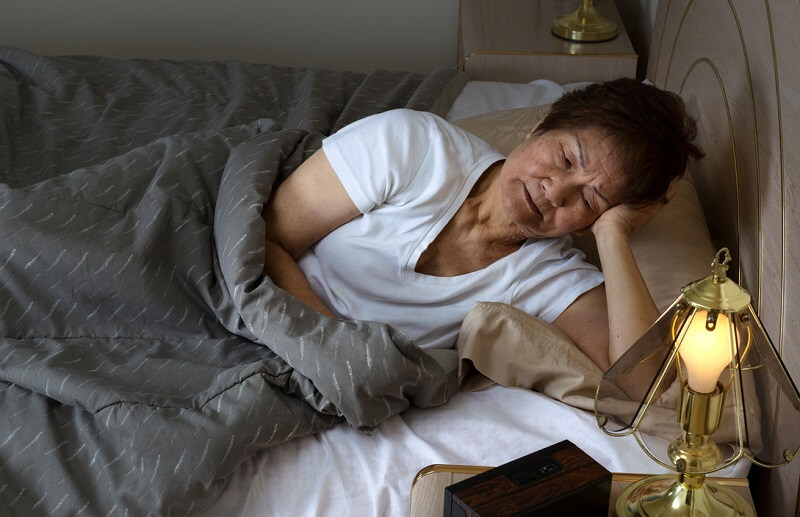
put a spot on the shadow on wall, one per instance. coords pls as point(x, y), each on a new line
point(639, 18)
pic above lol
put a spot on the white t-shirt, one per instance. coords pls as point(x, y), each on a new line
point(408, 172)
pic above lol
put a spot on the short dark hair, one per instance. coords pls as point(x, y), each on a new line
point(651, 129)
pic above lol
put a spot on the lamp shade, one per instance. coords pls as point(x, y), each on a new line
point(709, 340)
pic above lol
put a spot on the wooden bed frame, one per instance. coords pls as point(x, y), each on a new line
point(735, 63)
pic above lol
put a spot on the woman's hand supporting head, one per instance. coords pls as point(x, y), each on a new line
point(627, 218)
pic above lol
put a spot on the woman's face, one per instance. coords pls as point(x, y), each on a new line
point(560, 181)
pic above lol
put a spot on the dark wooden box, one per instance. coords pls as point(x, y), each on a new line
point(558, 480)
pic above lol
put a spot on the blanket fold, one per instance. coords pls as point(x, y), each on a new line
point(143, 353)
point(369, 370)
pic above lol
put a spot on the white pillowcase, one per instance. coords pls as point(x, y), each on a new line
point(478, 97)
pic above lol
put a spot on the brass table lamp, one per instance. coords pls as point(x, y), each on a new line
point(585, 24)
point(709, 361)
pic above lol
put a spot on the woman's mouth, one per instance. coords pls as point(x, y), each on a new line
point(531, 204)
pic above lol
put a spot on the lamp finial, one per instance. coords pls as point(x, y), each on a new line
point(717, 292)
point(720, 267)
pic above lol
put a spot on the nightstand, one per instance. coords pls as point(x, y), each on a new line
point(511, 41)
point(427, 490)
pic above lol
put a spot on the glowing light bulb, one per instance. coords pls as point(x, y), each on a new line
point(706, 352)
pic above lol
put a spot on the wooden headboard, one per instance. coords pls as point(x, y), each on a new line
point(736, 63)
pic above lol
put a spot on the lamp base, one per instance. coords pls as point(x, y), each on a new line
point(584, 24)
point(667, 496)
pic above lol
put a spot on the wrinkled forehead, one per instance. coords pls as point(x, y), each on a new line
point(608, 157)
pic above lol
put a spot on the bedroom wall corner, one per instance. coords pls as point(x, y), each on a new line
point(639, 17)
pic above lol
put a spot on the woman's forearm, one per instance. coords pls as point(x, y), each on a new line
point(631, 309)
point(286, 274)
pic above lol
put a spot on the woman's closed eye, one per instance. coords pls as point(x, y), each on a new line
point(566, 160)
point(586, 202)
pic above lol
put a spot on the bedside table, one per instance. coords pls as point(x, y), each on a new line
point(427, 489)
point(511, 41)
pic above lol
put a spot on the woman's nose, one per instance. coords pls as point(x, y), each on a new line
point(559, 190)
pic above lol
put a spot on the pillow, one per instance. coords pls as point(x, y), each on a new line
point(501, 344)
point(505, 129)
point(478, 97)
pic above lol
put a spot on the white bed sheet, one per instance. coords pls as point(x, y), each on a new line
point(344, 472)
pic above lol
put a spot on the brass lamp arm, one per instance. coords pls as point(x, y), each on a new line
point(788, 455)
point(654, 392)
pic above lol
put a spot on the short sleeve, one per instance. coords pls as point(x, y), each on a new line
point(377, 157)
point(556, 280)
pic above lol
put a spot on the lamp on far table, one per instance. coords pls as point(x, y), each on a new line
point(585, 24)
point(708, 346)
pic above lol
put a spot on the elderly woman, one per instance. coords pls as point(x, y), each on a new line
point(405, 219)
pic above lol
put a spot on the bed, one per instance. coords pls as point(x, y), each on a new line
point(140, 372)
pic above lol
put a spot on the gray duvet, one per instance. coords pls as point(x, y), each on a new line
point(143, 354)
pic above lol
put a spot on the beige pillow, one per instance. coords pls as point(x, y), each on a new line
point(505, 129)
point(500, 343)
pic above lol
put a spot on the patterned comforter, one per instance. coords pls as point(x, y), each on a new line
point(143, 353)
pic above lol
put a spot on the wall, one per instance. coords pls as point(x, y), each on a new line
point(639, 17)
point(414, 35)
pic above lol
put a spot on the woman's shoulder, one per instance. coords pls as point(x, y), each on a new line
point(411, 120)
point(411, 117)
point(406, 115)
point(395, 122)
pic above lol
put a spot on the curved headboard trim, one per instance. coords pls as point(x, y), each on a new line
point(784, 226)
point(656, 68)
point(757, 154)
point(735, 162)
